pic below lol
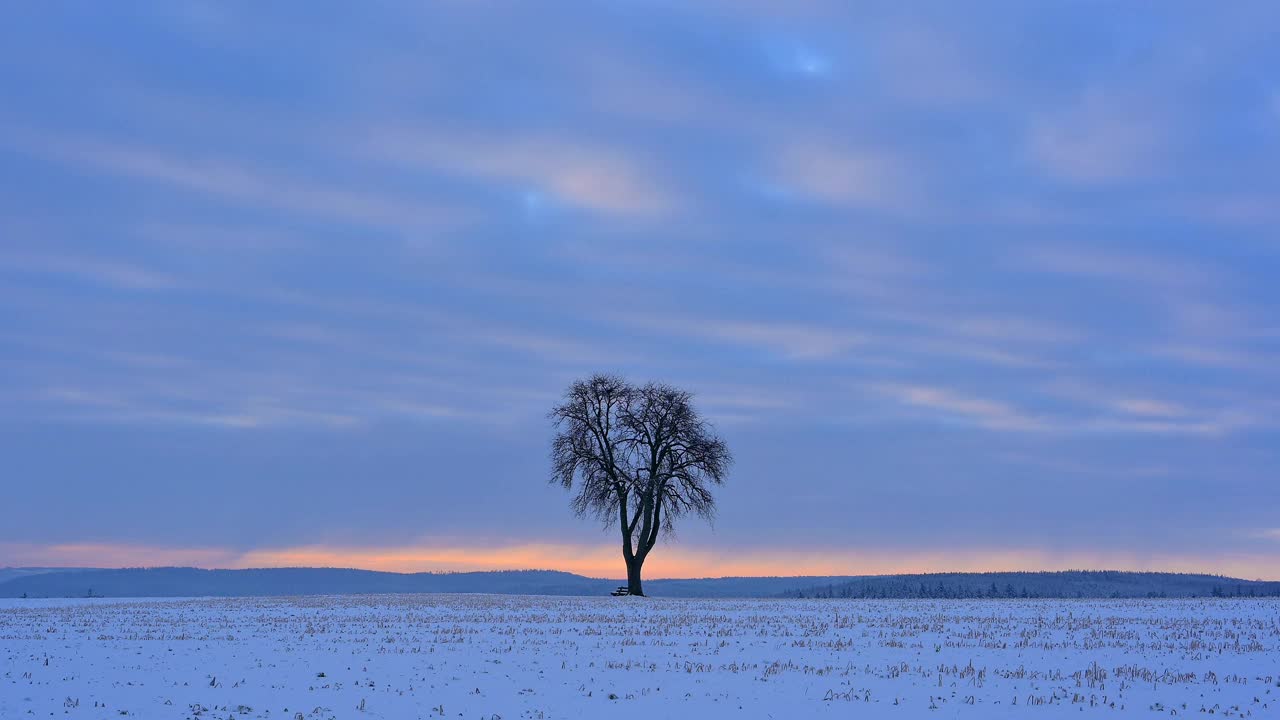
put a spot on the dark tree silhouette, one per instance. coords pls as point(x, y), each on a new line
point(638, 456)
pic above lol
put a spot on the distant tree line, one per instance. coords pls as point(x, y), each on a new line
point(1064, 584)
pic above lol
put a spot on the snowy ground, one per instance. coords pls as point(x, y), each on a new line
point(483, 656)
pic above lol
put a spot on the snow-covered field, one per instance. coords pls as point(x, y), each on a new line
point(483, 656)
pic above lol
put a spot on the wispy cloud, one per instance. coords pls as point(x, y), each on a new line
point(796, 341)
point(1077, 466)
point(589, 175)
point(1246, 209)
point(950, 405)
point(1100, 139)
point(147, 406)
point(244, 184)
point(854, 178)
point(1145, 269)
point(1220, 425)
point(1150, 408)
point(1216, 356)
point(933, 67)
point(1100, 414)
point(102, 271)
point(200, 237)
point(1197, 317)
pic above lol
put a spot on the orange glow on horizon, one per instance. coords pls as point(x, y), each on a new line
point(601, 560)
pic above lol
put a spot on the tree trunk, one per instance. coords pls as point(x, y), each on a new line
point(633, 577)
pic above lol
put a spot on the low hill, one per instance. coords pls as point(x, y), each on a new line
point(10, 573)
point(194, 582)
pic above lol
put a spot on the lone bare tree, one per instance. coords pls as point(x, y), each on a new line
point(640, 455)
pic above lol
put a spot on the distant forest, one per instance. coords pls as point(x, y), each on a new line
point(1064, 584)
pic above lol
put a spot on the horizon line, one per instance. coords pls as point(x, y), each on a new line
point(601, 561)
point(652, 579)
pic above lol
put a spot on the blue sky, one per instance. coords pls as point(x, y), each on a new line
point(964, 286)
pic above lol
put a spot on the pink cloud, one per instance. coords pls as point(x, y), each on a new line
point(590, 175)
